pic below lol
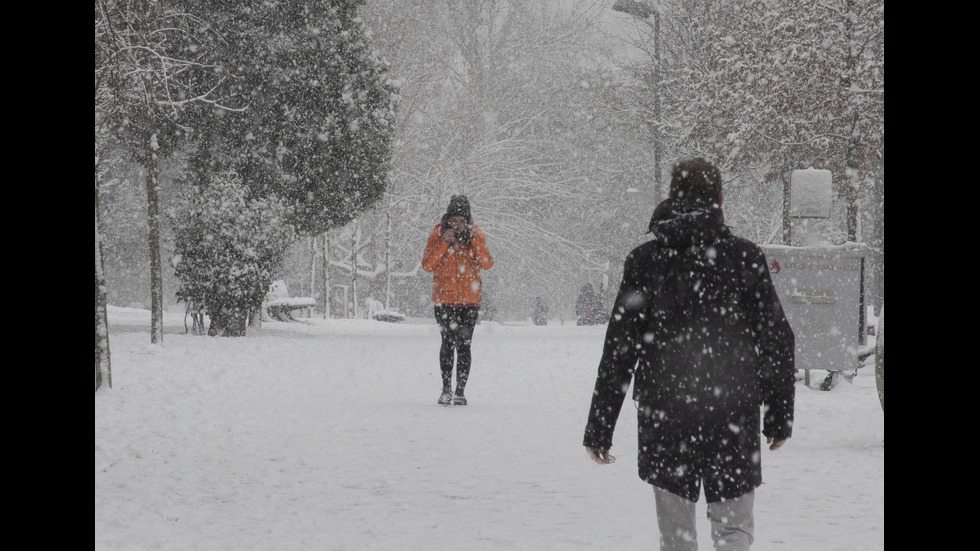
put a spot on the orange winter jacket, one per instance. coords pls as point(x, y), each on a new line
point(456, 269)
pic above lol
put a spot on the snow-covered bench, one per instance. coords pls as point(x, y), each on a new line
point(278, 305)
point(376, 311)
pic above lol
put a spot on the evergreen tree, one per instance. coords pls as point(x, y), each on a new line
point(319, 109)
point(228, 248)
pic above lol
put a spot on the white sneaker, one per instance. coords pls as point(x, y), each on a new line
point(446, 398)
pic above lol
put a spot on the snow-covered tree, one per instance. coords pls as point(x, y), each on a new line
point(320, 107)
point(148, 69)
point(228, 248)
point(784, 85)
point(503, 101)
point(317, 128)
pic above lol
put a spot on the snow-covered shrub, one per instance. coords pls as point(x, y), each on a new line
point(227, 249)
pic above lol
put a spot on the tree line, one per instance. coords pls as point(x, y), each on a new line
point(280, 115)
point(284, 114)
point(766, 87)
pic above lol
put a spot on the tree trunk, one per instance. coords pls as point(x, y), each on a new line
point(255, 317)
point(312, 269)
point(103, 367)
point(326, 276)
point(852, 180)
point(353, 270)
point(388, 259)
point(787, 195)
point(658, 148)
point(877, 248)
point(228, 322)
point(852, 163)
point(153, 220)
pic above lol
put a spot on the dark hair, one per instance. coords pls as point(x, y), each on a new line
point(695, 178)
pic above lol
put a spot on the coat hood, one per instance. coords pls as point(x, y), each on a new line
point(679, 223)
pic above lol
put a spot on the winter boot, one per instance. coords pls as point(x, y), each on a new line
point(446, 398)
point(459, 399)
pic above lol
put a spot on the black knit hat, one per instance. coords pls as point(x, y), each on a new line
point(459, 205)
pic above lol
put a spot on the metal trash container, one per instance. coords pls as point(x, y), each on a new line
point(821, 288)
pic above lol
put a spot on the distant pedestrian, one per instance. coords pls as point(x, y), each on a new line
point(540, 314)
point(699, 330)
point(455, 253)
point(588, 307)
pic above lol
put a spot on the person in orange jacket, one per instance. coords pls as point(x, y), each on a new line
point(455, 253)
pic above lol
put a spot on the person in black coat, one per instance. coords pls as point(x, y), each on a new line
point(588, 307)
point(540, 314)
point(698, 328)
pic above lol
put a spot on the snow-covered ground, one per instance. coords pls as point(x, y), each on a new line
point(326, 435)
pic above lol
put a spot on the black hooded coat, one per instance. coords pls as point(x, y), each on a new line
point(698, 321)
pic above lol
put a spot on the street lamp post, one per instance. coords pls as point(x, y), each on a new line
point(643, 10)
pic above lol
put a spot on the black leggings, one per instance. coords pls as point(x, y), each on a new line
point(456, 326)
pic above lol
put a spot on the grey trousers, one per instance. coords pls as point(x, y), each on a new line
point(732, 523)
